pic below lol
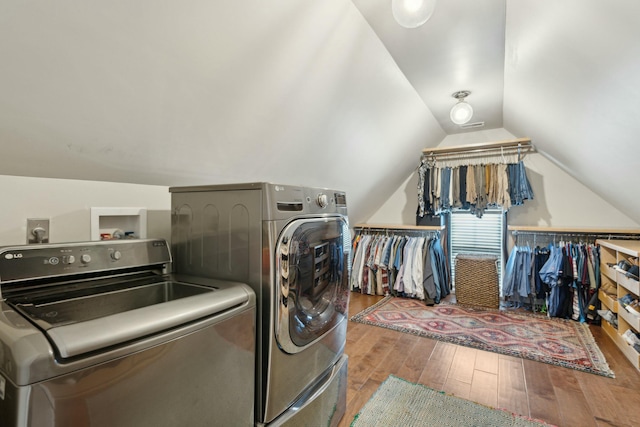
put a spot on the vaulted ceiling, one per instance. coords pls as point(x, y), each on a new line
point(461, 47)
point(330, 93)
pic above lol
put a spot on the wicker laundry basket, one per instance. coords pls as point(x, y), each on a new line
point(476, 280)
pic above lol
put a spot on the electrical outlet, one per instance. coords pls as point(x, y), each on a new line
point(37, 230)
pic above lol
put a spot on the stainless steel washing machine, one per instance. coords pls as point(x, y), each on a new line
point(99, 334)
point(292, 246)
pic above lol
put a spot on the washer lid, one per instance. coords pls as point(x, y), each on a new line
point(127, 315)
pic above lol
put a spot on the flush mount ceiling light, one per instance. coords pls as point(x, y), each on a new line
point(462, 112)
point(412, 13)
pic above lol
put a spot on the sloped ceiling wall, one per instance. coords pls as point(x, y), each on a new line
point(572, 83)
point(461, 47)
point(200, 92)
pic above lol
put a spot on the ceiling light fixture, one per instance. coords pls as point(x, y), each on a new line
point(461, 112)
point(412, 13)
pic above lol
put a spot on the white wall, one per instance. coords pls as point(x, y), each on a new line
point(207, 92)
point(560, 200)
point(68, 203)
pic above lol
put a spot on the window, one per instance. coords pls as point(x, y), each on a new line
point(470, 234)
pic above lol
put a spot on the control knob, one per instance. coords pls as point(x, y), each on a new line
point(85, 258)
point(116, 255)
point(322, 200)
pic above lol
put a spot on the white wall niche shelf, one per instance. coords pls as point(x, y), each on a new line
point(106, 220)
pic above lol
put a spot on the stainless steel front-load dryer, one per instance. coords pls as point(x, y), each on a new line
point(292, 246)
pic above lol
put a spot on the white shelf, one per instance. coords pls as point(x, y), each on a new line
point(128, 220)
point(631, 319)
point(630, 285)
point(608, 301)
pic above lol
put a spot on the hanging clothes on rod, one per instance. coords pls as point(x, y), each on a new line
point(473, 177)
point(516, 281)
point(408, 263)
point(475, 187)
point(566, 275)
point(572, 279)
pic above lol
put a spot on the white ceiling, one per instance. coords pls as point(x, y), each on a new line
point(330, 93)
point(461, 47)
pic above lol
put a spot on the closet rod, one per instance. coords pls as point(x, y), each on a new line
point(603, 236)
point(524, 144)
point(540, 229)
point(400, 227)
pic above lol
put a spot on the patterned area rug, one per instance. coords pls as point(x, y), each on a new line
point(398, 402)
point(555, 341)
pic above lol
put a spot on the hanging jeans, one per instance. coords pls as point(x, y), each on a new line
point(519, 186)
point(445, 189)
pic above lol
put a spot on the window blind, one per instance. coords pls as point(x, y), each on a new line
point(470, 234)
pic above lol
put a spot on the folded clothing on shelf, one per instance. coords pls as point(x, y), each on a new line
point(633, 272)
point(609, 317)
point(633, 338)
point(631, 304)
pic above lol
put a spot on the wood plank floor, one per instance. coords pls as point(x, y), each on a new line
point(559, 396)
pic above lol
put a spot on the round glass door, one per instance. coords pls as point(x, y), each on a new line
point(312, 257)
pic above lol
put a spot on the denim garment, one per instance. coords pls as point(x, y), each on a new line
point(549, 273)
point(558, 300)
point(441, 270)
point(445, 202)
point(518, 272)
point(397, 262)
point(519, 186)
point(596, 264)
point(509, 273)
point(523, 282)
point(386, 253)
point(512, 171)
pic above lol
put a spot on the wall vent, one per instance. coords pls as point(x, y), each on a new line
point(472, 125)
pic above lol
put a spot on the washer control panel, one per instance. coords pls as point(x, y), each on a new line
point(322, 200)
point(292, 200)
point(19, 263)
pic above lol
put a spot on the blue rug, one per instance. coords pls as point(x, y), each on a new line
point(400, 403)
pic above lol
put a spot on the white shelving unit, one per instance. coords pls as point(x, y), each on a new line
point(107, 220)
